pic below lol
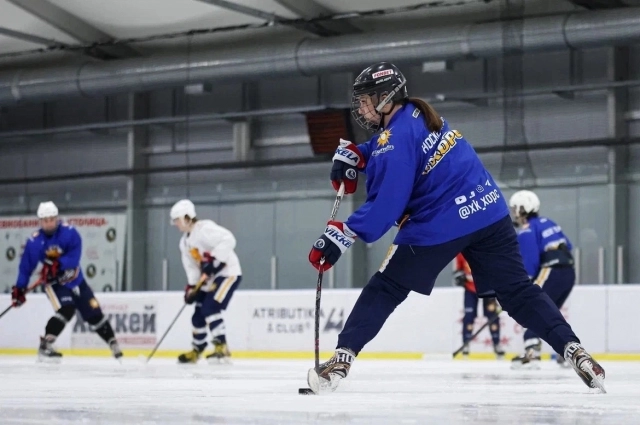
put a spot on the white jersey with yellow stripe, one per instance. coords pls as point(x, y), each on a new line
point(206, 236)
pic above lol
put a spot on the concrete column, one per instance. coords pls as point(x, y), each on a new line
point(617, 106)
point(137, 141)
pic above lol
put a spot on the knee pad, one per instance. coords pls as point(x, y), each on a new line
point(100, 324)
point(97, 321)
point(56, 324)
point(65, 313)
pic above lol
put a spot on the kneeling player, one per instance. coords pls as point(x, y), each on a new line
point(213, 274)
point(546, 252)
point(58, 247)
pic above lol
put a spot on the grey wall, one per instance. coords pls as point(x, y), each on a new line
point(280, 211)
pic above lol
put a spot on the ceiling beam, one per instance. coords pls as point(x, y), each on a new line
point(599, 4)
point(269, 17)
point(310, 9)
point(18, 35)
point(75, 28)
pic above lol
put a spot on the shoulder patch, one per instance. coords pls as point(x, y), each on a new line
point(35, 234)
point(416, 113)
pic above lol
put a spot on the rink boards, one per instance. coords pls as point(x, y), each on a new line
point(280, 324)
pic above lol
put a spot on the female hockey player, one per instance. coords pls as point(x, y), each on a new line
point(462, 277)
point(546, 252)
point(58, 247)
point(213, 274)
point(423, 175)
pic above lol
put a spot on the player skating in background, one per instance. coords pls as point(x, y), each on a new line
point(213, 274)
point(58, 247)
point(424, 175)
point(462, 277)
point(546, 252)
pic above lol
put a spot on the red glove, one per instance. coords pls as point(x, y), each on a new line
point(49, 272)
point(18, 296)
point(346, 162)
point(335, 240)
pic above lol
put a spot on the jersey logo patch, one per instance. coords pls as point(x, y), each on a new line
point(384, 137)
point(416, 113)
point(53, 252)
point(195, 254)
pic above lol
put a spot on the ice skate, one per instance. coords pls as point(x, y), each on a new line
point(329, 374)
point(531, 357)
point(465, 350)
point(115, 350)
point(189, 357)
point(46, 352)
point(499, 351)
point(221, 354)
point(589, 370)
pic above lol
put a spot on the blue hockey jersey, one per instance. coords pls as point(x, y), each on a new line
point(433, 182)
point(543, 244)
point(64, 245)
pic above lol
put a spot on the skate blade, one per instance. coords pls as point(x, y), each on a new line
point(596, 381)
point(527, 366)
point(313, 380)
point(321, 385)
point(220, 362)
point(49, 360)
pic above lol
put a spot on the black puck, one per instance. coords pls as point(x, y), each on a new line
point(305, 391)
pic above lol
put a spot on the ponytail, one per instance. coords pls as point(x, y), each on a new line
point(431, 118)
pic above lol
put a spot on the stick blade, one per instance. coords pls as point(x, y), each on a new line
point(305, 391)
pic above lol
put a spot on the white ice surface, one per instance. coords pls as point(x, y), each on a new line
point(102, 392)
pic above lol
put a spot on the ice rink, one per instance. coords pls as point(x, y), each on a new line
point(102, 392)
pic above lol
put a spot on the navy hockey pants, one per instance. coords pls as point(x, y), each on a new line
point(81, 297)
point(494, 257)
point(557, 283)
point(207, 316)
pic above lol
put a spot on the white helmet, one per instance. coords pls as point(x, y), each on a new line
point(524, 200)
point(47, 209)
point(183, 208)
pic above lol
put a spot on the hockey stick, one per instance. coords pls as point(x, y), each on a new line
point(29, 289)
point(334, 212)
point(476, 333)
point(201, 282)
point(316, 368)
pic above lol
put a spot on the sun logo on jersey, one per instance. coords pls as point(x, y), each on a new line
point(53, 252)
point(195, 254)
point(384, 137)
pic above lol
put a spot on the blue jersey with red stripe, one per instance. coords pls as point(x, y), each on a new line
point(434, 179)
point(64, 246)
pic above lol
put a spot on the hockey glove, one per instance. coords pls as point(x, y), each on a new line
point(190, 294)
point(49, 271)
point(331, 245)
point(210, 266)
point(459, 278)
point(18, 296)
point(346, 162)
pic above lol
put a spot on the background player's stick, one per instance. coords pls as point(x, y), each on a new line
point(316, 353)
point(201, 282)
point(476, 333)
point(29, 289)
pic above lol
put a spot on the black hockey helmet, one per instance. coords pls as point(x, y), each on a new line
point(377, 80)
